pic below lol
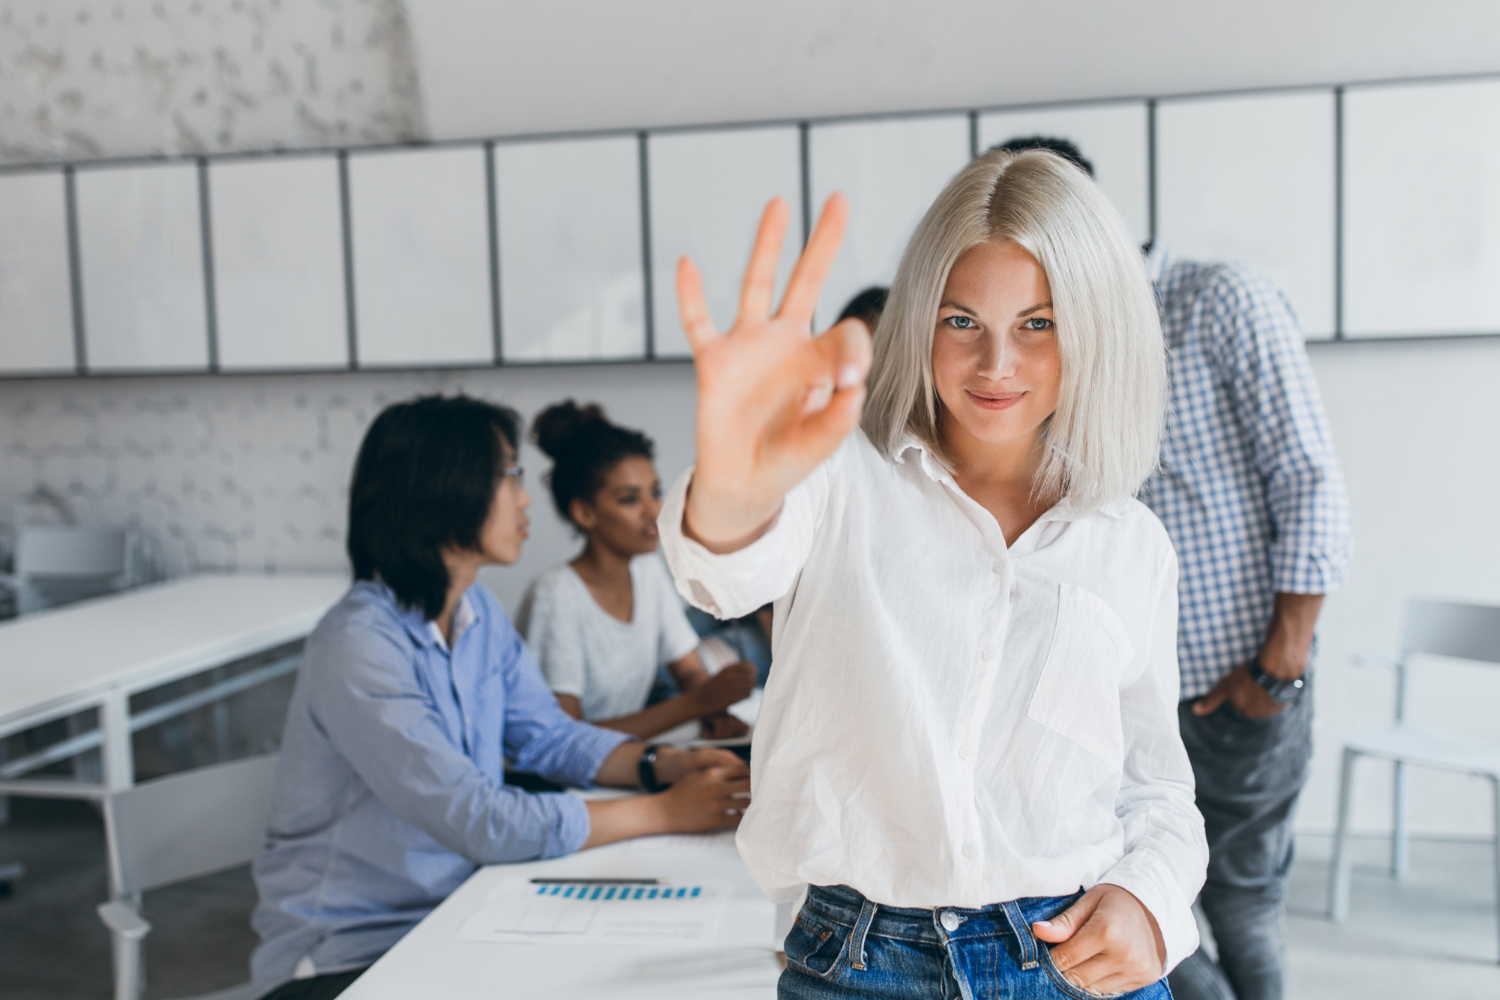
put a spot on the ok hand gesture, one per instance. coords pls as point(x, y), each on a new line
point(774, 401)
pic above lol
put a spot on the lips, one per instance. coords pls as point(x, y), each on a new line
point(994, 400)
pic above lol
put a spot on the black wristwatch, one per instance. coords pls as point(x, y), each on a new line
point(646, 768)
point(1282, 692)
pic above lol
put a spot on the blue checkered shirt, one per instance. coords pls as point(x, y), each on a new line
point(1249, 487)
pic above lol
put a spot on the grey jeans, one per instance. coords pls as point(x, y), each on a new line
point(1249, 773)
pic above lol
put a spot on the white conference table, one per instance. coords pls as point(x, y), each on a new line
point(97, 654)
point(741, 962)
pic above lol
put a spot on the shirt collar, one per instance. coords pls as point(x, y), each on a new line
point(938, 472)
point(464, 616)
point(1157, 262)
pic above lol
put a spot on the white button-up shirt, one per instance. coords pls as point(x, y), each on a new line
point(951, 721)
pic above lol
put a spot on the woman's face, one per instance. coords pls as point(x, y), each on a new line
point(623, 513)
point(505, 529)
point(994, 352)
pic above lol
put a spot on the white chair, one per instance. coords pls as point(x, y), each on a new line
point(173, 829)
point(1437, 628)
point(60, 563)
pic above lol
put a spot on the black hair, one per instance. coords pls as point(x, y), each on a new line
point(1062, 147)
point(583, 446)
point(867, 305)
point(425, 479)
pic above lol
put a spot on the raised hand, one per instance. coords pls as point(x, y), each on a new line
point(774, 401)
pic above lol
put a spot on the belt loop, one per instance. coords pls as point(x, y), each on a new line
point(1022, 930)
point(857, 938)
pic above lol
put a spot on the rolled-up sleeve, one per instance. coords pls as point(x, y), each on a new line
point(735, 584)
point(1261, 357)
point(1166, 852)
point(539, 736)
point(382, 722)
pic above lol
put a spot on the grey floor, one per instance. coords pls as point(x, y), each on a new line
point(1432, 935)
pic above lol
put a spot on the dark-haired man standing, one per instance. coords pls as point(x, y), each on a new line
point(1250, 492)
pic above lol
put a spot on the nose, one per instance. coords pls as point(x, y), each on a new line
point(523, 500)
point(997, 357)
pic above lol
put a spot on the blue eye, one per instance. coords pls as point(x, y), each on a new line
point(1037, 323)
point(961, 323)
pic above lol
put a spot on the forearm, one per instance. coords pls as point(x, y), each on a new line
point(1289, 639)
point(725, 519)
point(622, 819)
point(657, 718)
point(620, 769)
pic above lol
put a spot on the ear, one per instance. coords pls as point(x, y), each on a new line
point(582, 514)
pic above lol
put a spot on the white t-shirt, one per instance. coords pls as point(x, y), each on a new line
point(584, 651)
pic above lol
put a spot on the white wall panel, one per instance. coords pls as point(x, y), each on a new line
point(36, 297)
point(279, 263)
point(1113, 137)
point(1422, 209)
point(708, 190)
point(572, 284)
point(141, 247)
point(1251, 179)
point(891, 170)
point(420, 241)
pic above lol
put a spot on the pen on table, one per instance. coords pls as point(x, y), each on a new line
point(599, 881)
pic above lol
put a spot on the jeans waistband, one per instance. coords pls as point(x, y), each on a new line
point(843, 905)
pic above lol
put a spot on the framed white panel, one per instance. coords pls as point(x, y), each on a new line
point(1113, 137)
point(572, 283)
point(708, 190)
point(890, 170)
point(1422, 209)
point(140, 243)
point(278, 263)
point(36, 295)
point(1251, 179)
point(421, 245)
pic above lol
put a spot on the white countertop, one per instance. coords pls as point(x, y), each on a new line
point(142, 637)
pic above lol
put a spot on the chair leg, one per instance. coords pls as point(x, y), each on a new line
point(1495, 782)
point(130, 979)
point(1338, 884)
point(1400, 836)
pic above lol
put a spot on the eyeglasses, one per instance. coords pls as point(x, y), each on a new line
point(515, 472)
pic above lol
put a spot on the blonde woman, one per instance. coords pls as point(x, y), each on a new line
point(967, 764)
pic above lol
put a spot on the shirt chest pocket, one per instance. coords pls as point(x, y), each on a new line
point(1078, 693)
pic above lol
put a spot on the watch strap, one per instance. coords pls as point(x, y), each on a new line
point(646, 769)
point(1280, 690)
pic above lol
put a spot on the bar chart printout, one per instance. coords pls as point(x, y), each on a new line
point(642, 915)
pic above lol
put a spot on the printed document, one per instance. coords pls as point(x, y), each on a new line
point(642, 915)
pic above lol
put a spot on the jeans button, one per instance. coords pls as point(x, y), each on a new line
point(950, 921)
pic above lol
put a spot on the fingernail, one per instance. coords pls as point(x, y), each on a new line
point(848, 376)
point(1044, 923)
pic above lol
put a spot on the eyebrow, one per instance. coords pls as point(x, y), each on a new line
point(1027, 312)
point(949, 304)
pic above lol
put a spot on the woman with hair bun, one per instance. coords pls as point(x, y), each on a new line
point(601, 625)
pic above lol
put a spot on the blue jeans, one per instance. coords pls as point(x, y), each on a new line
point(843, 945)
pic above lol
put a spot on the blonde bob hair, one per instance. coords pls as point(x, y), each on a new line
point(1103, 439)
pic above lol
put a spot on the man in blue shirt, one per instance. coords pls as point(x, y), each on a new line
point(1250, 492)
point(414, 692)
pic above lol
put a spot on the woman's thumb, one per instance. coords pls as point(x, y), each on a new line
point(1063, 926)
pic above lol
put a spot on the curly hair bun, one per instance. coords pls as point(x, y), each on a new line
point(557, 429)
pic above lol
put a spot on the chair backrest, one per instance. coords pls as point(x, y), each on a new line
point(65, 550)
point(189, 824)
point(1445, 628)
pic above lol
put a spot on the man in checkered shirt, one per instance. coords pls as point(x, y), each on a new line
point(1250, 492)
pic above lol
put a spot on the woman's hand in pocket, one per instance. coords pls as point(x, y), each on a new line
point(1107, 942)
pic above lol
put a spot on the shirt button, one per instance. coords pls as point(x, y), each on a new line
point(950, 920)
point(970, 851)
point(966, 751)
point(988, 654)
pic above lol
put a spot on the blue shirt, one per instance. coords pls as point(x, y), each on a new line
point(390, 789)
point(1249, 487)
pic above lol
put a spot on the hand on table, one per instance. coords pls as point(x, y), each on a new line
point(722, 726)
point(732, 684)
point(710, 798)
point(674, 764)
point(1247, 698)
point(1107, 942)
point(773, 400)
